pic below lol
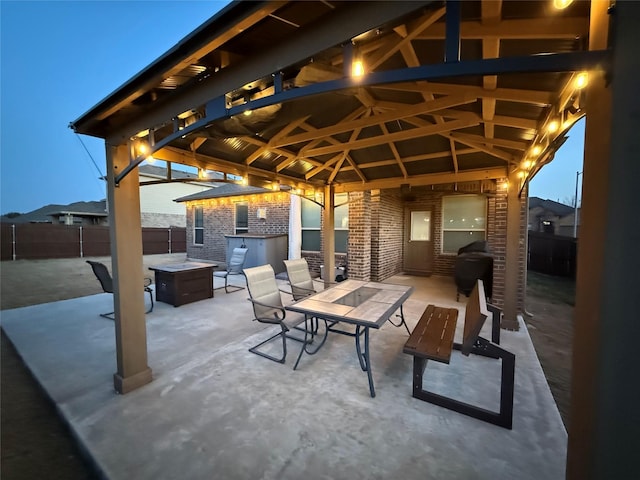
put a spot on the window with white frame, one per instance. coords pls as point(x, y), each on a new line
point(198, 226)
point(311, 221)
point(464, 219)
point(242, 217)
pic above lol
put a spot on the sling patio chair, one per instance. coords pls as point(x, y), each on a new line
point(268, 308)
point(299, 278)
point(104, 277)
point(236, 264)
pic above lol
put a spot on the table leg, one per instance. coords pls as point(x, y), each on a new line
point(365, 361)
point(313, 331)
point(402, 322)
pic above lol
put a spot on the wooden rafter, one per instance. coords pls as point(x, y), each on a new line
point(393, 137)
point(401, 111)
point(491, 13)
point(409, 33)
point(515, 29)
point(509, 94)
point(395, 152)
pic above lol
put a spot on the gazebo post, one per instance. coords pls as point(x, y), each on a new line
point(604, 426)
point(513, 275)
point(126, 257)
point(328, 235)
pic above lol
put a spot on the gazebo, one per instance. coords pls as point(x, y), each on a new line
point(324, 97)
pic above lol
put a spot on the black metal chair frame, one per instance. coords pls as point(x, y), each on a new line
point(106, 282)
point(279, 320)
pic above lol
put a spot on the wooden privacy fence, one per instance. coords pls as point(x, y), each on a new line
point(30, 241)
point(552, 254)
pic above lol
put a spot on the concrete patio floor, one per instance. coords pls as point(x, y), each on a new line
point(215, 410)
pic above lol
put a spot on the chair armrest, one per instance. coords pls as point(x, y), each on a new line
point(276, 318)
point(318, 279)
point(147, 281)
point(302, 290)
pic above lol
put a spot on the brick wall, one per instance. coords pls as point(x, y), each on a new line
point(387, 233)
point(497, 239)
point(219, 220)
point(360, 235)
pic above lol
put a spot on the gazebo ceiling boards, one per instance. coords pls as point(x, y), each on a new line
point(451, 92)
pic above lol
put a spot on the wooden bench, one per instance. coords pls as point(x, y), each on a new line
point(433, 339)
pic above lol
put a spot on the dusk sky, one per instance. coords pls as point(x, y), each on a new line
point(59, 59)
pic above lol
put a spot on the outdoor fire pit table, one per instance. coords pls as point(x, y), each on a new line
point(183, 283)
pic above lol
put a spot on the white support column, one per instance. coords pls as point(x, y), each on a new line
point(295, 227)
point(328, 235)
point(126, 260)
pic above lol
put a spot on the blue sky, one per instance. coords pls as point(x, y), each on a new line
point(59, 59)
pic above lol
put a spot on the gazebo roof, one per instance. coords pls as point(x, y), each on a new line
point(265, 90)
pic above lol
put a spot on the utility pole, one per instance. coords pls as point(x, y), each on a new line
point(575, 208)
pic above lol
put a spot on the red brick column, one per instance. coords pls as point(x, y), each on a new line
point(359, 260)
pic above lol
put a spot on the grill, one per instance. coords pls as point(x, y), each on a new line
point(474, 261)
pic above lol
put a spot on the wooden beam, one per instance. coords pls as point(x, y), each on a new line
point(509, 158)
point(394, 137)
point(429, 179)
point(547, 27)
point(499, 142)
point(395, 152)
point(509, 94)
point(412, 31)
point(402, 111)
point(412, 158)
point(197, 143)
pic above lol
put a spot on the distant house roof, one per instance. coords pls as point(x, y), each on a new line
point(226, 190)
point(45, 214)
point(559, 209)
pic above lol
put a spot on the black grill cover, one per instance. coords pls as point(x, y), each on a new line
point(474, 262)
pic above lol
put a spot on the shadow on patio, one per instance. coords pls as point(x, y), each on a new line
point(216, 410)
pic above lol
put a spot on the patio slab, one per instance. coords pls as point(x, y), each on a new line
point(214, 410)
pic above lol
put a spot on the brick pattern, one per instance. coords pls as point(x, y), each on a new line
point(360, 235)
point(387, 232)
point(497, 230)
point(219, 220)
point(376, 230)
point(315, 259)
point(497, 238)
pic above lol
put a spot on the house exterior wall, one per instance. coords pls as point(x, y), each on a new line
point(157, 208)
point(388, 229)
point(219, 220)
point(376, 231)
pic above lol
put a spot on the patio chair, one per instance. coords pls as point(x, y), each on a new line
point(299, 278)
point(104, 277)
point(267, 308)
point(236, 264)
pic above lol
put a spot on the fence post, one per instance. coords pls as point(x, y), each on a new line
point(81, 252)
point(13, 240)
point(169, 239)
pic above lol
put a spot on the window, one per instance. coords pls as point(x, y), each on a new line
point(311, 221)
point(463, 221)
point(242, 218)
point(198, 226)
